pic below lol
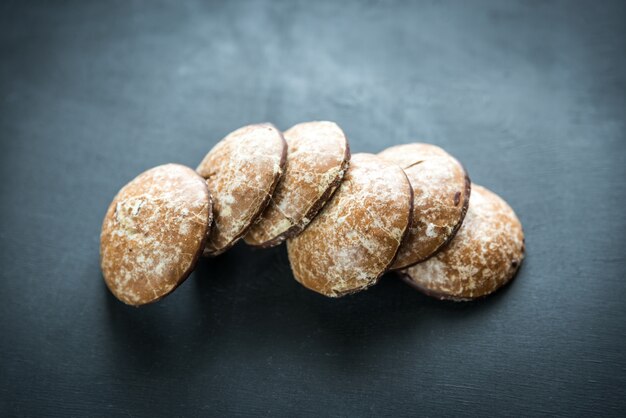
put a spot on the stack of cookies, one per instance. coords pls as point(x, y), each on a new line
point(347, 219)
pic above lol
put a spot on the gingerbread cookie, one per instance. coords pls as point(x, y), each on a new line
point(242, 171)
point(317, 158)
point(153, 233)
point(483, 256)
point(355, 238)
point(441, 193)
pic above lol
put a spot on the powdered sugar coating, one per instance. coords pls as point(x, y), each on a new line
point(317, 158)
point(242, 171)
point(154, 232)
point(483, 256)
point(441, 193)
point(355, 238)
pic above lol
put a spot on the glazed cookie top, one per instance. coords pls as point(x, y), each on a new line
point(317, 158)
point(484, 255)
point(242, 171)
point(355, 238)
point(441, 193)
point(154, 232)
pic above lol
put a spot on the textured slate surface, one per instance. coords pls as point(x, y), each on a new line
point(529, 95)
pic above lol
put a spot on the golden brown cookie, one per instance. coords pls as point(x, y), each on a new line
point(317, 158)
point(483, 256)
point(355, 237)
point(441, 193)
point(242, 171)
point(153, 233)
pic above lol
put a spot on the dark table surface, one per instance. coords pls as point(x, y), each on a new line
point(529, 95)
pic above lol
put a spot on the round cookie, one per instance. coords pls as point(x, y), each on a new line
point(154, 232)
point(317, 158)
point(483, 256)
point(355, 237)
point(242, 171)
point(441, 193)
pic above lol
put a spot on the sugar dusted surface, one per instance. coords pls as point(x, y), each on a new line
point(242, 171)
point(483, 256)
point(354, 239)
point(316, 162)
point(153, 233)
point(440, 196)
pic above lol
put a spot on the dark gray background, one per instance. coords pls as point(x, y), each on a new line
point(529, 95)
